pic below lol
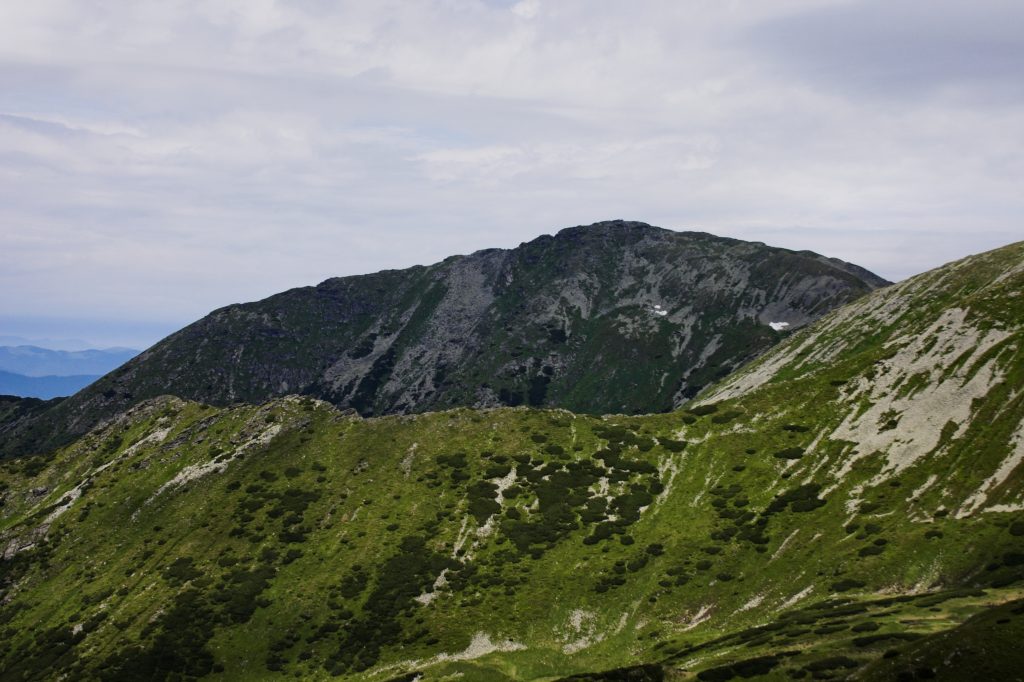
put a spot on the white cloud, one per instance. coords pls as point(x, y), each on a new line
point(527, 9)
point(160, 159)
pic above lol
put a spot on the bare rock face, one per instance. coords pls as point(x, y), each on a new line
point(615, 317)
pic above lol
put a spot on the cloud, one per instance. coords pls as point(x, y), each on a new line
point(527, 9)
point(158, 160)
point(904, 48)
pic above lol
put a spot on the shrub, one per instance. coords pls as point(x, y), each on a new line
point(800, 499)
point(482, 504)
point(672, 445)
point(181, 571)
point(497, 471)
point(831, 663)
point(749, 668)
point(1013, 559)
point(846, 585)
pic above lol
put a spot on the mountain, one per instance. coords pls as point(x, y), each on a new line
point(44, 386)
point(53, 344)
point(14, 408)
point(616, 317)
point(848, 506)
point(33, 361)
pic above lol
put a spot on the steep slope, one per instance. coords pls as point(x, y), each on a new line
point(24, 414)
point(767, 532)
point(920, 371)
point(614, 317)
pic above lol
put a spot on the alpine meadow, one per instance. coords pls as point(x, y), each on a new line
point(502, 473)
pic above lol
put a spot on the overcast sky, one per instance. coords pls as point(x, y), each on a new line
point(161, 159)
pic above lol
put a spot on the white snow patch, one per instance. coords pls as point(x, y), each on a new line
point(778, 326)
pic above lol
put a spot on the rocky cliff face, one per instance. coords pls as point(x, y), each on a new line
point(616, 317)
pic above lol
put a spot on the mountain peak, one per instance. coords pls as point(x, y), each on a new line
point(614, 317)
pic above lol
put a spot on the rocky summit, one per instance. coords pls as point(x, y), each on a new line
point(850, 505)
point(616, 317)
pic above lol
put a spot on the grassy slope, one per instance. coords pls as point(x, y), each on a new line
point(301, 553)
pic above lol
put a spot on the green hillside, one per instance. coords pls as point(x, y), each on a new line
point(850, 505)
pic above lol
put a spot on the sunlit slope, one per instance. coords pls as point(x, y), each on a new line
point(922, 380)
point(777, 530)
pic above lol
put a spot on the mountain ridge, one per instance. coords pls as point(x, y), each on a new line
point(557, 321)
point(44, 387)
point(764, 531)
point(34, 361)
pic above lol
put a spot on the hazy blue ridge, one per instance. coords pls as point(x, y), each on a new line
point(33, 361)
point(45, 387)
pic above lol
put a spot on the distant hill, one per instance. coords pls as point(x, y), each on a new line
point(33, 361)
point(615, 317)
point(44, 387)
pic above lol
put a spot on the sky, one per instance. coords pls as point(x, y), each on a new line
point(159, 159)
